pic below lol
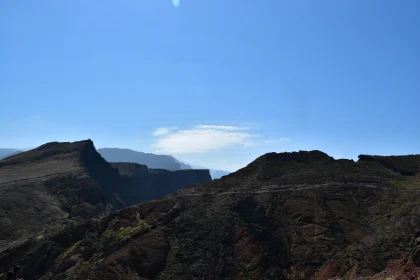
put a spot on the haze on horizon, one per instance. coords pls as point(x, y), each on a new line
point(213, 83)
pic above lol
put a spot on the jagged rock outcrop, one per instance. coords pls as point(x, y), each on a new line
point(59, 184)
point(297, 215)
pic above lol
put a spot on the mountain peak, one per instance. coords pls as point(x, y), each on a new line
point(51, 150)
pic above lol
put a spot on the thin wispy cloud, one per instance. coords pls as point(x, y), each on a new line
point(163, 130)
point(202, 139)
point(222, 127)
point(278, 140)
point(222, 147)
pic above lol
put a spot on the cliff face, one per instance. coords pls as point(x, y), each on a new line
point(59, 184)
point(297, 215)
point(52, 186)
point(139, 183)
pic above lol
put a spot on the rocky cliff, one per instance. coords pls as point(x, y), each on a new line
point(53, 186)
point(299, 215)
point(59, 184)
point(138, 183)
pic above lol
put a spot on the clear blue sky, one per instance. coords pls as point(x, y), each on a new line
point(339, 76)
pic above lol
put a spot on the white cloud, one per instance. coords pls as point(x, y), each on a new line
point(201, 139)
point(163, 130)
point(274, 141)
point(221, 127)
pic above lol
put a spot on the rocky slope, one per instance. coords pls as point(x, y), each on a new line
point(141, 183)
point(405, 165)
point(59, 184)
point(284, 216)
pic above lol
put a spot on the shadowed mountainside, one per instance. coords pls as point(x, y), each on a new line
point(285, 216)
point(52, 186)
point(142, 184)
point(405, 165)
point(59, 184)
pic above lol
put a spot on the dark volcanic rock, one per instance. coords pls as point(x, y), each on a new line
point(59, 184)
point(285, 216)
point(49, 187)
point(139, 183)
point(406, 165)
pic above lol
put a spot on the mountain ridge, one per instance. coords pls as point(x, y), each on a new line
point(65, 183)
point(298, 215)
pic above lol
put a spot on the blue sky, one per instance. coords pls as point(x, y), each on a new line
point(215, 83)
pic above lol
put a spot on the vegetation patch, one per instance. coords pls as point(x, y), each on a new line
point(40, 237)
point(69, 251)
point(395, 204)
point(125, 233)
point(82, 268)
point(173, 264)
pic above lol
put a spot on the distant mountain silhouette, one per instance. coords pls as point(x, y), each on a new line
point(5, 152)
point(151, 160)
point(167, 162)
point(215, 174)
